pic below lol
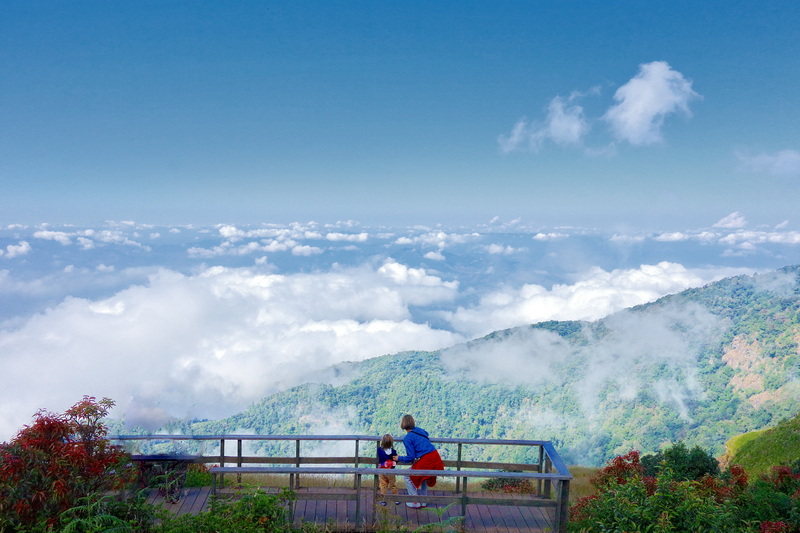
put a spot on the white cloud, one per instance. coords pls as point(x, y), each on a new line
point(644, 102)
point(438, 239)
point(552, 236)
point(58, 236)
point(306, 250)
point(499, 249)
point(627, 238)
point(733, 221)
point(87, 239)
point(785, 164)
point(217, 340)
point(665, 338)
point(519, 138)
point(565, 124)
point(597, 294)
point(751, 238)
point(434, 256)
point(348, 237)
point(228, 248)
point(16, 250)
point(672, 236)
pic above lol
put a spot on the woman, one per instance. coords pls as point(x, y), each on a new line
point(423, 455)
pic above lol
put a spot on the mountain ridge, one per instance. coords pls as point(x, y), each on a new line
point(700, 366)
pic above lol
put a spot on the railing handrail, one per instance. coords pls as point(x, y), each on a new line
point(371, 471)
point(549, 450)
point(445, 440)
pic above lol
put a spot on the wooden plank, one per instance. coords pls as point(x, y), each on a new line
point(300, 511)
point(513, 515)
point(515, 520)
point(497, 519)
point(201, 501)
point(330, 510)
point(340, 514)
point(188, 496)
point(488, 516)
point(341, 510)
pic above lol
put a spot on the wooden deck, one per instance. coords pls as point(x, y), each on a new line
point(339, 515)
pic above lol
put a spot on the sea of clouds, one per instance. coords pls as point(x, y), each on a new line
point(200, 322)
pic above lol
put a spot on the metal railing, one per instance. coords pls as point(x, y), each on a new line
point(549, 474)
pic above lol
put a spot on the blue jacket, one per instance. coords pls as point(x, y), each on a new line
point(383, 456)
point(417, 444)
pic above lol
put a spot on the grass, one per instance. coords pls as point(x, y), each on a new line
point(580, 485)
point(759, 451)
point(319, 480)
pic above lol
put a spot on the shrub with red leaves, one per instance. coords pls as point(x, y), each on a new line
point(619, 470)
point(628, 500)
point(54, 462)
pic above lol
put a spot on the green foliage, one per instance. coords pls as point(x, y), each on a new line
point(627, 500)
point(664, 506)
point(106, 513)
point(198, 475)
point(443, 525)
point(253, 512)
point(774, 497)
point(684, 464)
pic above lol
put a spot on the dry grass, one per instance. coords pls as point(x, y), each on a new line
point(580, 485)
point(311, 480)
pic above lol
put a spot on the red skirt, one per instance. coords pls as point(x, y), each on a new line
point(429, 461)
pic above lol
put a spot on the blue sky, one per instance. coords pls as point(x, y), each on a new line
point(248, 112)
point(205, 187)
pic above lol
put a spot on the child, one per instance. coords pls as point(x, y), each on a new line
point(386, 454)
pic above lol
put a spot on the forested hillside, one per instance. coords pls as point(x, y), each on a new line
point(700, 366)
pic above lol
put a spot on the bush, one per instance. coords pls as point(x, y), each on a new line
point(685, 464)
point(508, 484)
point(256, 512)
point(662, 504)
point(774, 498)
point(629, 500)
point(198, 475)
point(53, 463)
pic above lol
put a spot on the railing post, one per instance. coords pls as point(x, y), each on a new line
point(239, 459)
point(222, 459)
point(539, 469)
point(356, 463)
point(358, 499)
point(562, 506)
point(296, 484)
point(548, 464)
point(458, 467)
point(464, 501)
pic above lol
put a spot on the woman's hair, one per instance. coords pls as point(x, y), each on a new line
point(407, 422)
point(387, 441)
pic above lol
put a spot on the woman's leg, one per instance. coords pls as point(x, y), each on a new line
point(412, 490)
point(423, 491)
